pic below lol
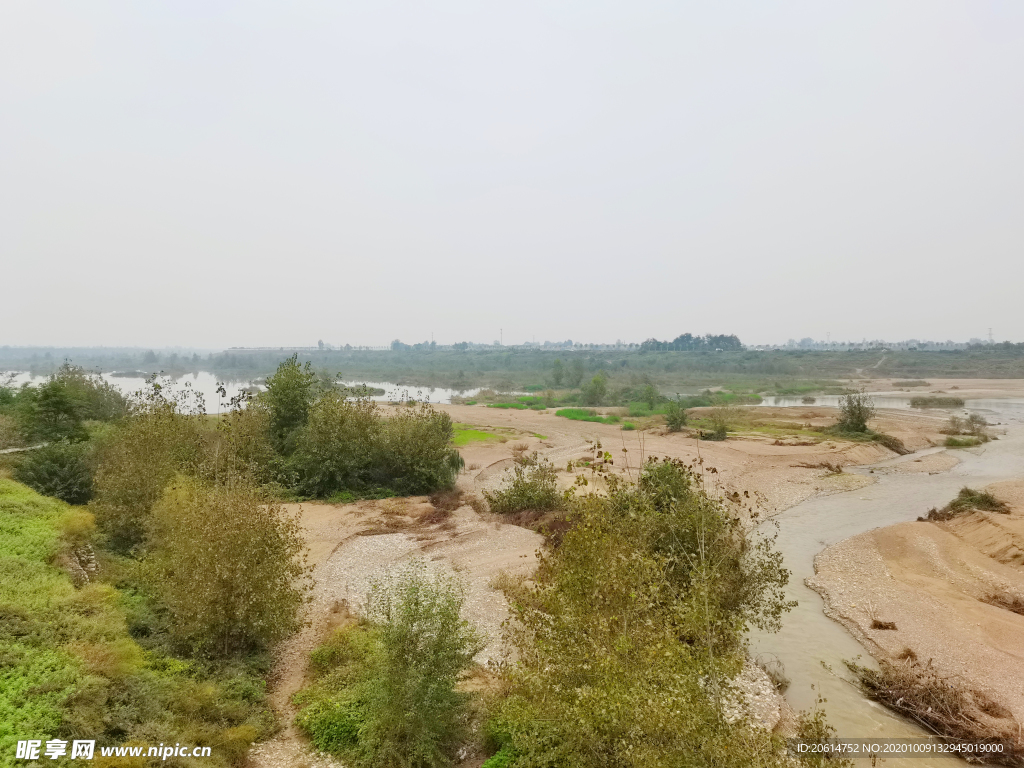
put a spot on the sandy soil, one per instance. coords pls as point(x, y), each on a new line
point(756, 464)
point(932, 579)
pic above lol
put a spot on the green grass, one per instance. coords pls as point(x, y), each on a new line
point(466, 434)
point(586, 414)
point(643, 409)
point(516, 406)
point(539, 436)
point(911, 383)
point(628, 426)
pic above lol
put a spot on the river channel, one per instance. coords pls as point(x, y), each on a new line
point(808, 637)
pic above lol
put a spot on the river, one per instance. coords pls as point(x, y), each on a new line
point(207, 384)
point(808, 637)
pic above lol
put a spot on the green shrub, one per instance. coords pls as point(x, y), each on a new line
point(62, 470)
point(854, 412)
point(136, 463)
point(675, 416)
point(631, 624)
point(387, 695)
point(628, 426)
point(962, 442)
point(229, 566)
point(936, 402)
point(348, 445)
point(504, 758)
point(527, 487)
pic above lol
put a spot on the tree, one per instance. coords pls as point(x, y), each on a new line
point(649, 394)
point(62, 470)
point(414, 712)
point(229, 565)
point(289, 395)
point(557, 372)
point(574, 374)
point(596, 389)
point(855, 410)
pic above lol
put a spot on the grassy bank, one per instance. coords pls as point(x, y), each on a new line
point(90, 662)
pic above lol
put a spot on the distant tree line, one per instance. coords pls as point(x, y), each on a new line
point(687, 342)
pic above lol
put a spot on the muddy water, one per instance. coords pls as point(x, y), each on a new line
point(808, 637)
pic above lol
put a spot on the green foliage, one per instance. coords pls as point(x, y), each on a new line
point(465, 434)
point(675, 416)
point(62, 470)
point(137, 462)
point(854, 412)
point(557, 372)
point(70, 669)
point(587, 414)
point(414, 712)
point(969, 500)
point(628, 426)
point(574, 373)
point(289, 396)
point(650, 395)
point(633, 625)
point(530, 485)
point(962, 442)
point(229, 566)
point(504, 758)
point(596, 389)
point(385, 694)
point(350, 445)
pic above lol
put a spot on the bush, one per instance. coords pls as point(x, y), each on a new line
point(414, 714)
point(854, 412)
point(936, 402)
point(632, 622)
point(229, 566)
point(62, 470)
point(675, 416)
point(962, 442)
point(528, 487)
point(969, 500)
point(595, 390)
point(348, 445)
point(136, 463)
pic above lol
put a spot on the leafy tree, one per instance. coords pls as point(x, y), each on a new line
point(414, 713)
point(574, 374)
point(62, 470)
point(649, 394)
point(596, 389)
point(290, 393)
point(557, 372)
point(855, 410)
point(229, 564)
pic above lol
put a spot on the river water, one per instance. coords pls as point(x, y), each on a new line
point(808, 637)
point(207, 384)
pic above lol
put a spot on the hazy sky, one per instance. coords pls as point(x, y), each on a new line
point(220, 173)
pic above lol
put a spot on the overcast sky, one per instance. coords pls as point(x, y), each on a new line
point(220, 173)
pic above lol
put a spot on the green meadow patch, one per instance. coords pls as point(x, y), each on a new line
point(586, 414)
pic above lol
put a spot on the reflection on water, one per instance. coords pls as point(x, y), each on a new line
point(207, 384)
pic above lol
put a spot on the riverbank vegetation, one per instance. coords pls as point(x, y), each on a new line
point(89, 651)
point(969, 500)
point(942, 705)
